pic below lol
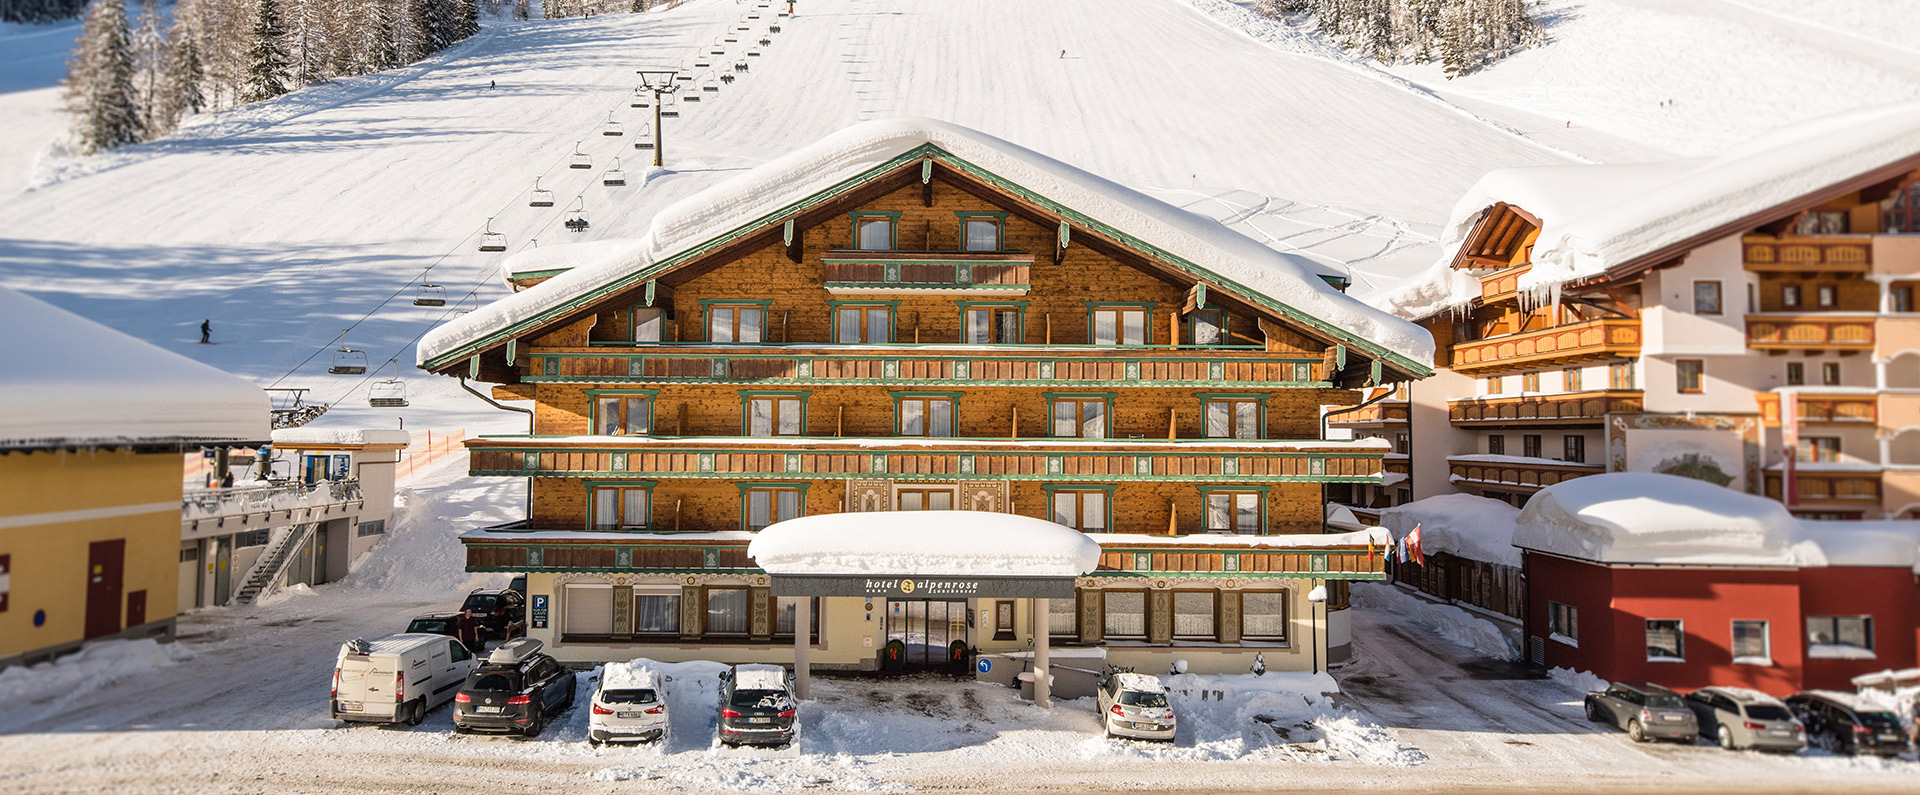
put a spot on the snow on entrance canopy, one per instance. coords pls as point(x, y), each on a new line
point(71, 381)
point(1596, 217)
point(1465, 525)
point(941, 543)
point(766, 194)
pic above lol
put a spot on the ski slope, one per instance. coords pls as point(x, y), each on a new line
point(288, 221)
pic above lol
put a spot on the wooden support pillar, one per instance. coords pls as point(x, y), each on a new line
point(802, 645)
point(840, 421)
point(1173, 423)
point(680, 420)
point(1173, 517)
point(1013, 432)
point(1042, 688)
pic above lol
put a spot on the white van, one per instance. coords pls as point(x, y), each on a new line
point(397, 678)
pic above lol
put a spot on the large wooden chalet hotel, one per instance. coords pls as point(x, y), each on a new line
point(912, 316)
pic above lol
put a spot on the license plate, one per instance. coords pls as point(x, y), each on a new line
point(759, 720)
point(350, 706)
point(1781, 732)
point(1671, 717)
point(627, 714)
point(486, 709)
point(1152, 727)
point(1890, 737)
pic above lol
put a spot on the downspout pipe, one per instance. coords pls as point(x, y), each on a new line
point(503, 407)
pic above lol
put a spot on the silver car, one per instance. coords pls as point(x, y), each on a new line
point(1742, 718)
point(1135, 705)
point(1646, 711)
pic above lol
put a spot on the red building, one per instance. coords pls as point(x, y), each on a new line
point(1638, 576)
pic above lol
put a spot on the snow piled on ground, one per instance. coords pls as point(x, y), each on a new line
point(422, 551)
point(41, 689)
point(1466, 525)
point(1578, 681)
point(1453, 624)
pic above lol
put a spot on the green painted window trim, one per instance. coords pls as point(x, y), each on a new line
point(952, 396)
point(1106, 410)
point(833, 318)
point(1146, 338)
point(1225, 335)
point(790, 485)
point(706, 315)
point(969, 305)
point(593, 404)
point(597, 483)
point(666, 312)
point(746, 410)
point(999, 235)
point(1261, 489)
point(1260, 400)
point(1107, 396)
point(853, 228)
point(1049, 488)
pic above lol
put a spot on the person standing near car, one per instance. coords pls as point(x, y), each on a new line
point(469, 631)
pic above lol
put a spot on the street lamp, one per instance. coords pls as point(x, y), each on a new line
point(660, 82)
point(1316, 596)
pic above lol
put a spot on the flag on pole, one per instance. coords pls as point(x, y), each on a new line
point(1413, 546)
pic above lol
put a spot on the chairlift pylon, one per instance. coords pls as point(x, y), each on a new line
point(580, 159)
point(614, 177)
point(491, 240)
point(541, 197)
point(430, 294)
point(612, 127)
point(348, 360)
point(577, 219)
point(389, 393)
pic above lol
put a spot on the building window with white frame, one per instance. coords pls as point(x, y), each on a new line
point(1563, 623)
point(1193, 615)
point(1119, 325)
point(1233, 418)
point(1125, 614)
point(587, 610)
point(1263, 615)
point(726, 611)
point(656, 612)
point(1666, 640)
point(1233, 512)
point(618, 508)
point(1840, 637)
point(1063, 619)
point(1752, 644)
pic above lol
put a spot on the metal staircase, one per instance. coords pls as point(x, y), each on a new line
point(271, 570)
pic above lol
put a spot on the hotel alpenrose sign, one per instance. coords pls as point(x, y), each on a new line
point(923, 587)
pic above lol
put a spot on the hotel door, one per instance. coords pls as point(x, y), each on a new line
point(926, 628)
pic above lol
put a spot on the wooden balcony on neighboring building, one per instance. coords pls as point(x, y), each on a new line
point(1374, 416)
point(1592, 340)
point(1515, 473)
point(919, 272)
point(1502, 285)
point(1831, 331)
point(1821, 407)
point(1572, 408)
point(1826, 254)
point(1858, 487)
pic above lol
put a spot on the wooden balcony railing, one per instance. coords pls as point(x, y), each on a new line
point(1823, 332)
point(999, 273)
point(1392, 413)
point(1605, 338)
point(932, 365)
point(1573, 408)
point(1514, 474)
point(1821, 408)
point(1841, 486)
point(1502, 285)
point(1808, 254)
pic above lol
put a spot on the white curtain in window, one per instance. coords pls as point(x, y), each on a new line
point(1263, 615)
point(878, 324)
point(1093, 511)
point(720, 324)
point(912, 419)
point(639, 416)
point(977, 326)
point(849, 320)
point(940, 418)
point(1093, 421)
point(647, 325)
point(1126, 614)
point(760, 417)
point(1219, 420)
point(606, 514)
point(727, 611)
point(1103, 327)
point(749, 325)
point(876, 235)
point(1135, 328)
point(589, 610)
point(1062, 617)
point(656, 612)
point(608, 413)
point(633, 511)
point(983, 235)
point(1193, 614)
point(789, 416)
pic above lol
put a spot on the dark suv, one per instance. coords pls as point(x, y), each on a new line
point(1845, 724)
point(756, 705)
point(501, 613)
point(515, 690)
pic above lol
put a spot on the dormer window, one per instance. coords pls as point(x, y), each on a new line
point(982, 231)
point(874, 231)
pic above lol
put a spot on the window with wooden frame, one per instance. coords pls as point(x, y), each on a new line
point(993, 324)
point(1079, 416)
point(1576, 448)
point(863, 323)
point(1207, 326)
point(1830, 373)
point(1084, 509)
point(875, 231)
point(1821, 222)
point(1790, 295)
point(1826, 296)
point(762, 505)
point(1233, 416)
point(1263, 615)
point(645, 323)
point(617, 508)
point(1689, 375)
point(775, 414)
point(1706, 298)
point(1900, 213)
point(786, 610)
point(1820, 449)
point(1900, 298)
point(1529, 382)
point(1620, 375)
point(736, 322)
point(656, 612)
point(1193, 615)
point(1570, 379)
point(930, 414)
point(1116, 324)
point(1124, 614)
point(726, 610)
point(1003, 619)
point(982, 231)
point(1666, 640)
point(1063, 618)
point(1497, 444)
point(924, 499)
point(1494, 384)
point(622, 414)
point(1796, 374)
point(1231, 511)
point(1530, 445)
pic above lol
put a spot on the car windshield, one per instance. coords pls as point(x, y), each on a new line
point(431, 626)
point(1664, 701)
point(765, 699)
point(481, 602)
point(1767, 712)
point(490, 682)
point(627, 697)
point(1136, 699)
point(1880, 720)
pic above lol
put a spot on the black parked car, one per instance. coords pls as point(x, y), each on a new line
point(1845, 724)
point(501, 613)
point(756, 705)
point(515, 690)
point(447, 624)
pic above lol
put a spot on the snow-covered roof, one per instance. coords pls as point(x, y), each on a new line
point(768, 194)
point(759, 676)
point(1642, 517)
point(1596, 217)
point(340, 437)
point(948, 543)
point(71, 381)
point(1744, 695)
point(637, 674)
point(1466, 525)
point(1353, 539)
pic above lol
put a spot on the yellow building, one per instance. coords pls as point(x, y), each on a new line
point(90, 478)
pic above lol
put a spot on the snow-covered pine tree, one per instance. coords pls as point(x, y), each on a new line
point(149, 64)
point(40, 11)
point(521, 10)
point(99, 84)
point(267, 60)
point(414, 31)
point(469, 19)
point(180, 86)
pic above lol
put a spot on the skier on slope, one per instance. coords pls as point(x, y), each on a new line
point(206, 331)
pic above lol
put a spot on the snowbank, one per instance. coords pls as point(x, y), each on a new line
point(1642, 517)
point(29, 692)
point(73, 381)
point(1348, 540)
point(1449, 623)
point(953, 543)
point(767, 195)
point(1469, 526)
point(342, 437)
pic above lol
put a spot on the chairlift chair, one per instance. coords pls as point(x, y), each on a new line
point(691, 96)
point(703, 63)
point(491, 240)
point(754, 15)
point(641, 98)
point(753, 53)
point(614, 177)
point(580, 159)
point(741, 65)
point(773, 28)
point(541, 197)
point(577, 219)
point(348, 361)
point(612, 127)
point(430, 294)
point(644, 139)
point(764, 41)
point(732, 38)
point(669, 107)
point(710, 85)
point(388, 394)
point(743, 27)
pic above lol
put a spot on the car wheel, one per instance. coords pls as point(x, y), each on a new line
point(417, 712)
point(1593, 712)
point(1726, 738)
point(1635, 731)
point(539, 721)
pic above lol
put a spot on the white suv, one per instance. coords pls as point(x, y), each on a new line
point(1135, 705)
point(630, 706)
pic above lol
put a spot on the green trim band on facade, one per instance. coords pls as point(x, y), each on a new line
point(804, 368)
